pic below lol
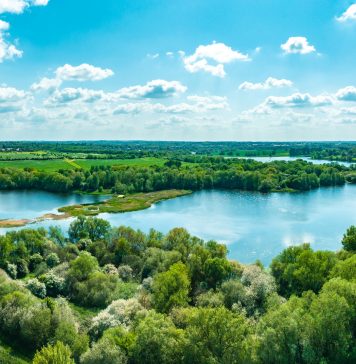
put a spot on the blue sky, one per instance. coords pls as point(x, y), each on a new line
point(187, 70)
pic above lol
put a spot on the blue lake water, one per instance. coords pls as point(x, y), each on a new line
point(253, 225)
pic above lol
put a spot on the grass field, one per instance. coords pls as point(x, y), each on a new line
point(55, 164)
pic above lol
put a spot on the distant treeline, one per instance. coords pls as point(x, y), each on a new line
point(136, 149)
point(201, 173)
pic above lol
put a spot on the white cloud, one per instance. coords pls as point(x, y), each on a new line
point(70, 94)
point(153, 56)
point(347, 94)
point(349, 14)
point(152, 90)
point(40, 2)
point(269, 83)
point(298, 100)
point(7, 50)
point(198, 104)
point(11, 99)
point(83, 72)
point(297, 45)
point(18, 6)
point(219, 53)
point(46, 84)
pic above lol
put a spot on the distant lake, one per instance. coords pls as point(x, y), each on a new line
point(253, 225)
point(290, 159)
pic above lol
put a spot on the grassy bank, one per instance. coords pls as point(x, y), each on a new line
point(134, 202)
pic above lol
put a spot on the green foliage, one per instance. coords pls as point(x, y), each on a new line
point(171, 288)
point(36, 287)
point(158, 341)
point(52, 260)
point(54, 354)
point(298, 269)
point(104, 352)
point(349, 239)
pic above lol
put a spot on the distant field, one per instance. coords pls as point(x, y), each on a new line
point(54, 165)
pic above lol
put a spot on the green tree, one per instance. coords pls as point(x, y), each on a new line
point(171, 288)
point(215, 335)
point(349, 239)
point(158, 341)
point(54, 354)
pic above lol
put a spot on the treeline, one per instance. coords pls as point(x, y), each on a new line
point(170, 148)
point(201, 173)
point(116, 295)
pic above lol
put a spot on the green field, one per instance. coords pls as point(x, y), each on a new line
point(55, 164)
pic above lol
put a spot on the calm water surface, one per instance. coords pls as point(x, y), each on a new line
point(32, 204)
point(290, 159)
point(253, 225)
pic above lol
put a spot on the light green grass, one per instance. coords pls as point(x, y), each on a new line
point(56, 164)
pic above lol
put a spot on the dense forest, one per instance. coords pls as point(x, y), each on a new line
point(115, 295)
point(192, 173)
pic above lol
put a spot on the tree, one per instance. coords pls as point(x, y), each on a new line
point(216, 271)
point(52, 260)
point(104, 352)
point(171, 288)
point(299, 268)
point(349, 239)
point(36, 287)
point(54, 354)
point(158, 341)
point(92, 228)
point(215, 335)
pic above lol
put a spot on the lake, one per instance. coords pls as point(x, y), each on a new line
point(253, 225)
point(32, 204)
point(291, 159)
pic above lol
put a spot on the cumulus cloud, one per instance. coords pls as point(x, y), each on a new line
point(297, 45)
point(83, 72)
point(298, 100)
point(7, 50)
point(11, 99)
point(69, 94)
point(18, 6)
point(46, 84)
point(347, 94)
point(349, 14)
point(155, 89)
point(219, 53)
point(196, 104)
point(269, 83)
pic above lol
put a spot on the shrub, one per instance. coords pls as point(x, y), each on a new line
point(125, 272)
point(54, 354)
point(104, 352)
point(52, 260)
point(37, 288)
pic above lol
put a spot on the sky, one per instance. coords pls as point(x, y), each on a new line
point(236, 70)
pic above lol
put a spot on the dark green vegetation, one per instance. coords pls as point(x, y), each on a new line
point(116, 295)
point(344, 151)
point(190, 173)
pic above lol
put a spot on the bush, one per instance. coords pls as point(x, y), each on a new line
point(125, 272)
point(11, 269)
point(119, 313)
point(104, 352)
point(52, 260)
point(22, 268)
point(37, 288)
point(54, 354)
point(54, 284)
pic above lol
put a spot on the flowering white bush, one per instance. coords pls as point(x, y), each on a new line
point(118, 313)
